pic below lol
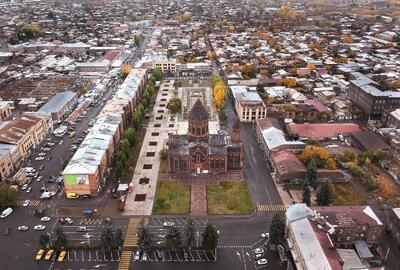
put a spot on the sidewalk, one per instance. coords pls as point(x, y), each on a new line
point(148, 162)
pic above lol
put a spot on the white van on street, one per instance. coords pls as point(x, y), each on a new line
point(6, 212)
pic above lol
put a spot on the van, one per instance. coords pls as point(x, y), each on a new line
point(72, 195)
point(6, 212)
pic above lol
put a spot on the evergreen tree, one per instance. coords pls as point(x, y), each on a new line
point(210, 238)
point(306, 194)
point(107, 238)
point(130, 134)
point(277, 230)
point(324, 195)
point(173, 239)
point(189, 233)
point(44, 240)
point(119, 241)
point(60, 239)
point(311, 173)
point(145, 237)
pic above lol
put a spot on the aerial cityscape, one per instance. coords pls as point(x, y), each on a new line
point(200, 134)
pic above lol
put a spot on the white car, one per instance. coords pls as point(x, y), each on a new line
point(42, 154)
point(60, 143)
point(24, 186)
point(168, 224)
point(262, 262)
point(45, 219)
point(39, 227)
point(39, 178)
point(137, 256)
point(259, 251)
point(26, 203)
point(39, 158)
point(265, 235)
point(69, 221)
point(23, 228)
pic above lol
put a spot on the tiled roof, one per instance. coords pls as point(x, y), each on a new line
point(15, 130)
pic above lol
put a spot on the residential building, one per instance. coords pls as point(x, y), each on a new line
point(168, 66)
point(59, 105)
point(18, 138)
point(391, 119)
point(393, 224)
point(5, 110)
point(248, 104)
point(365, 94)
point(321, 131)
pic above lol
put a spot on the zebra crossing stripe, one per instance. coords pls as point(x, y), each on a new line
point(271, 207)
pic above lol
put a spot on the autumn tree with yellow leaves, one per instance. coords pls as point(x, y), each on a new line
point(219, 91)
point(286, 12)
point(288, 82)
point(321, 156)
point(126, 69)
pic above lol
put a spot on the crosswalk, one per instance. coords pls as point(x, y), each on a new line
point(125, 260)
point(271, 208)
point(131, 232)
point(31, 203)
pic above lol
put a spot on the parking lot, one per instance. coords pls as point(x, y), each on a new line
point(93, 256)
point(178, 256)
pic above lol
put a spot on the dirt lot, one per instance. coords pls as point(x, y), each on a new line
point(41, 88)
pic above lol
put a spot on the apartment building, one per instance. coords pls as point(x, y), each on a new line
point(168, 66)
point(364, 93)
point(248, 103)
point(393, 224)
point(59, 105)
point(19, 137)
point(5, 110)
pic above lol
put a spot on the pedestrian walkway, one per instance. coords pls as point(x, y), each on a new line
point(131, 238)
point(271, 208)
point(198, 199)
point(31, 203)
point(125, 260)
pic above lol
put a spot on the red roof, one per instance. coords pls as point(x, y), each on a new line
point(316, 104)
point(285, 161)
point(326, 130)
point(111, 55)
point(15, 130)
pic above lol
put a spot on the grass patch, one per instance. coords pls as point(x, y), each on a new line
point(229, 198)
point(171, 199)
point(346, 194)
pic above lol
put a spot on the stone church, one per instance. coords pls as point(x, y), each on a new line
point(200, 152)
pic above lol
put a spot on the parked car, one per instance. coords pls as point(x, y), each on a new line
point(45, 219)
point(144, 256)
point(168, 224)
point(39, 158)
point(26, 203)
point(23, 228)
point(62, 256)
point(159, 255)
point(39, 178)
point(265, 235)
point(49, 254)
point(24, 186)
point(258, 257)
point(6, 212)
point(39, 255)
point(81, 229)
point(258, 251)
point(41, 154)
point(39, 227)
point(137, 256)
point(28, 190)
point(69, 220)
point(185, 255)
point(262, 262)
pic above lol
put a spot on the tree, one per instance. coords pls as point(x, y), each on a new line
point(311, 173)
point(44, 240)
point(306, 194)
point(210, 238)
point(286, 12)
point(288, 82)
point(137, 119)
point(60, 241)
point(189, 232)
point(138, 39)
point(50, 15)
point(107, 238)
point(310, 66)
point(145, 237)
point(174, 105)
point(126, 69)
point(8, 197)
point(130, 134)
point(157, 72)
point(321, 156)
point(222, 114)
point(173, 239)
point(119, 241)
point(277, 230)
point(120, 167)
point(325, 194)
point(219, 92)
point(249, 70)
point(126, 147)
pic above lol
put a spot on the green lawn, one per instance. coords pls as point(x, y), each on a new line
point(229, 198)
point(171, 199)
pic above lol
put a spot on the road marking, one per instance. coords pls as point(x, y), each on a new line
point(125, 260)
point(91, 221)
point(271, 207)
point(244, 260)
point(131, 232)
